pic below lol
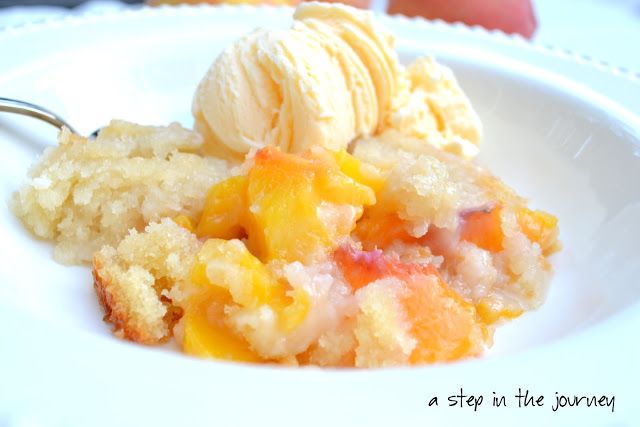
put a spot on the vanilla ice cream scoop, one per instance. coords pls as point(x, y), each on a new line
point(431, 106)
point(332, 77)
point(276, 88)
point(325, 81)
point(373, 45)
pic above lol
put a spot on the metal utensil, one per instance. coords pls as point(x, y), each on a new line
point(9, 105)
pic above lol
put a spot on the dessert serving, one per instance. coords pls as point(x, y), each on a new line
point(325, 209)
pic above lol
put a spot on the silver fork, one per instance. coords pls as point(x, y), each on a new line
point(9, 105)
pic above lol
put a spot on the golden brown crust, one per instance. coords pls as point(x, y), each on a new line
point(135, 281)
point(123, 326)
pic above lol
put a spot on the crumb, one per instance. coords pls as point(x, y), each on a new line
point(134, 280)
point(85, 194)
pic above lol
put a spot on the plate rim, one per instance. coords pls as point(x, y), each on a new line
point(514, 41)
point(145, 11)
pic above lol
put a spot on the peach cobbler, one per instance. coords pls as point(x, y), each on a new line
point(325, 209)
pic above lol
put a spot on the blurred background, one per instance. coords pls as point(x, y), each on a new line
point(607, 30)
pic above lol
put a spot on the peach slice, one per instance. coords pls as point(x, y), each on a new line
point(206, 335)
point(540, 227)
point(483, 228)
point(444, 326)
point(378, 229)
point(291, 207)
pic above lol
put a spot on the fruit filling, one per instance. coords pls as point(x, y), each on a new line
point(309, 259)
point(325, 209)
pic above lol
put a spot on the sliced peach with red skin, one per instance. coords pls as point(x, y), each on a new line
point(363, 267)
point(444, 326)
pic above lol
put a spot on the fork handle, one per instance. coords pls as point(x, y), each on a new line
point(9, 105)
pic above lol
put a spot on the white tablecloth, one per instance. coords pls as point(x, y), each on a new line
point(607, 30)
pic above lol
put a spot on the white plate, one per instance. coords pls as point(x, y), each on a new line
point(559, 128)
